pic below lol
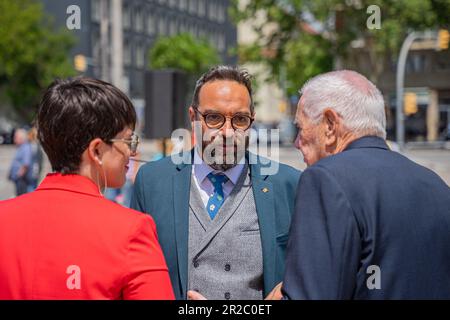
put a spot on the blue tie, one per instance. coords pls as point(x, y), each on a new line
point(217, 199)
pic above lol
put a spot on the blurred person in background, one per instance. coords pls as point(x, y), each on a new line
point(34, 174)
point(21, 166)
point(65, 240)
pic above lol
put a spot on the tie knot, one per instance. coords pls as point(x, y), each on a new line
point(217, 179)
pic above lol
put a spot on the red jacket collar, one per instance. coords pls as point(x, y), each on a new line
point(70, 182)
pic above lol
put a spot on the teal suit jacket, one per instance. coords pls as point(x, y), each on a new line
point(162, 189)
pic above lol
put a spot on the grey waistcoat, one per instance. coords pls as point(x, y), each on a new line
point(225, 254)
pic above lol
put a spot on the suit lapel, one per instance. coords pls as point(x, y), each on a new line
point(265, 208)
point(181, 187)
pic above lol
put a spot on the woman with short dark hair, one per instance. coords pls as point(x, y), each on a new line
point(64, 240)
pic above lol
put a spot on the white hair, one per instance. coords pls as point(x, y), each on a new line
point(352, 96)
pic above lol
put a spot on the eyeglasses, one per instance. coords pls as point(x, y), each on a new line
point(215, 120)
point(132, 143)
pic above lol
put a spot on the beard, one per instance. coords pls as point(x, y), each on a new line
point(222, 153)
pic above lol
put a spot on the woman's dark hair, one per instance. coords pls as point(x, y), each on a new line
point(231, 73)
point(75, 111)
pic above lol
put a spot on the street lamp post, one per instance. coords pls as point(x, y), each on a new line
point(442, 38)
point(400, 117)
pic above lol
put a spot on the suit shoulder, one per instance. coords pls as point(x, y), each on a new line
point(159, 167)
point(281, 172)
point(289, 170)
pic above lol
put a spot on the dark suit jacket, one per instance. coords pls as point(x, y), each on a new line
point(162, 189)
point(364, 208)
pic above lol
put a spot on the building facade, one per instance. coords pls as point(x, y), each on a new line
point(142, 22)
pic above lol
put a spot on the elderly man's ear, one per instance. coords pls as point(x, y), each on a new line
point(331, 125)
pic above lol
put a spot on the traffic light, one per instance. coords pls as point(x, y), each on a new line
point(443, 39)
point(80, 63)
point(282, 106)
point(410, 103)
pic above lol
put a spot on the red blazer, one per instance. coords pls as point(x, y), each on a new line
point(65, 241)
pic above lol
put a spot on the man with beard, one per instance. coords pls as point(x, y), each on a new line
point(222, 220)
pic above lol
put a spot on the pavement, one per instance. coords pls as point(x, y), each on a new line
point(437, 160)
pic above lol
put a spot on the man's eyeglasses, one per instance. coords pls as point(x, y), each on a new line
point(132, 143)
point(215, 120)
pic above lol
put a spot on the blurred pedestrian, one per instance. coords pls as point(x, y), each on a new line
point(34, 174)
point(21, 165)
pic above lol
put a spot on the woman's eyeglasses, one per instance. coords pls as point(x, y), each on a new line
point(132, 143)
point(215, 120)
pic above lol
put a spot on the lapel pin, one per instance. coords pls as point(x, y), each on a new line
point(265, 190)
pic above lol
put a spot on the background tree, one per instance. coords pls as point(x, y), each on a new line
point(298, 39)
point(32, 54)
point(183, 52)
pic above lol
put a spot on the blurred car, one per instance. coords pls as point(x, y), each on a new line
point(6, 131)
point(7, 137)
point(446, 133)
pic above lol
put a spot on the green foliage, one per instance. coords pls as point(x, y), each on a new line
point(183, 52)
point(32, 54)
point(286, 43)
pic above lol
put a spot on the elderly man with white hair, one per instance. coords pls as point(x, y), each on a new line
point(369, 223)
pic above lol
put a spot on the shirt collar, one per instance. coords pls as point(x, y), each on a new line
point(368, 142)
point(201, 169)
point(70, 182)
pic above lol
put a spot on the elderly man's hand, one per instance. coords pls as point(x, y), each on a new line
point(194, 295)
point(275, 294)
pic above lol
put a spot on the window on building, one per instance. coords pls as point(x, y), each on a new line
point(211, 39)
point(183, 5)
point(151, 24)
point(193, 29)
point(140, 56)
point(139, 20)
point(95, 10)
point(201, 32)
point(172, 26)
point(201, 8)
point(173, 3)
point(193, 6)
point(95, 38)
point(212, 10)
point(182, 26)
point(221, 44)
point(162, 26)
point(221, 13)
point(127, 53)
point(126, 16)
